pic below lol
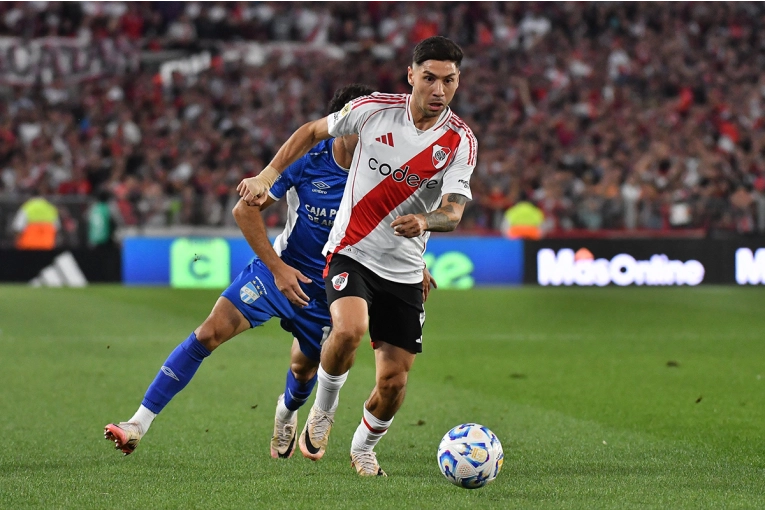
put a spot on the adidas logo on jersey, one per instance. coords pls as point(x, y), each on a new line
point(386, 139)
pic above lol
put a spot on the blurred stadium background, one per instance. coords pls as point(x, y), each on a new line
point(637, 130)
point(616, 120)
point(609, 116)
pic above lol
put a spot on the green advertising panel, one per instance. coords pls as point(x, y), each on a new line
point(200, 263)
point(451, 270)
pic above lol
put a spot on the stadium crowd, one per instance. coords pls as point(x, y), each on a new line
point(606, 115)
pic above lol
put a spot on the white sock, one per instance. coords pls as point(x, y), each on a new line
point(328, 390)
point(282, 412)
point(143, 417)
point(369, 432)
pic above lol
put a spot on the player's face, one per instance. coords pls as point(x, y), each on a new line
point(434, 83)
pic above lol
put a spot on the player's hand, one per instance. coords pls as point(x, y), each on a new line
point(253, 190)
point(287, 280)
point(427, 282)
point(411, 225)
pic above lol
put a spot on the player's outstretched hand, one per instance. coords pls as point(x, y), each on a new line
point(253, 190)
point(427, 282)
point(287, 280)
point(411, 225)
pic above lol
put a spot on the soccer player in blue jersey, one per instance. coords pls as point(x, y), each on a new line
point(283, 281)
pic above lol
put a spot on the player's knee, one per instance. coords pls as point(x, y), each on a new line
point(210, 336)
point(391, 386)
point(302, 371)
point(349, 333)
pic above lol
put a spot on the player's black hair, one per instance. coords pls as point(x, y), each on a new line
point(437, 48)
point(347, 94)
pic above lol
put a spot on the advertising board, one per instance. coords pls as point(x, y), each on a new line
point(455, 262)
point(650, 262)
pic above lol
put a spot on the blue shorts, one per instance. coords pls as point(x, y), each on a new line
point(254, 293)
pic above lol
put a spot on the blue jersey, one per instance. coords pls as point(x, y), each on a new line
point(314, 186)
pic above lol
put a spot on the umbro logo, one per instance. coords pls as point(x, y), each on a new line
point(168, 372)
point(386, 139)
point(320, 186)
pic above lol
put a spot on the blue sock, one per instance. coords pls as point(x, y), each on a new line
point(175, 374)
point(296, 393)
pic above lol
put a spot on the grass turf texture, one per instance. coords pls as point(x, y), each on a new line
point(602, 398)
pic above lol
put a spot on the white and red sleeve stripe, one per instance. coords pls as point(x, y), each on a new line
point(459, 125)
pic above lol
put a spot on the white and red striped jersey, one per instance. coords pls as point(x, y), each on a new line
point(396, 170)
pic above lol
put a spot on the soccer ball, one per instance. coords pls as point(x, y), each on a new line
point(470, 455)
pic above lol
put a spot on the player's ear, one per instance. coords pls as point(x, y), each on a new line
point(410, 76)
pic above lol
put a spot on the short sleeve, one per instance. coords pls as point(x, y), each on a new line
point(349, 119)
point(457, 175)
point(287, 179)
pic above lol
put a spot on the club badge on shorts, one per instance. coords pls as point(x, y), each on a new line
point(252, 291)
point(340, 281)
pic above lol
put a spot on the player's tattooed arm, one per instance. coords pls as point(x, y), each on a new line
point(438, 221)
point(444, 219)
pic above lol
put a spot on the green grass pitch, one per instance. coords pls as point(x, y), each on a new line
point(602, 398)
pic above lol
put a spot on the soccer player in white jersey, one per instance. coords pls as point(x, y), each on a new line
point(410, 176)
